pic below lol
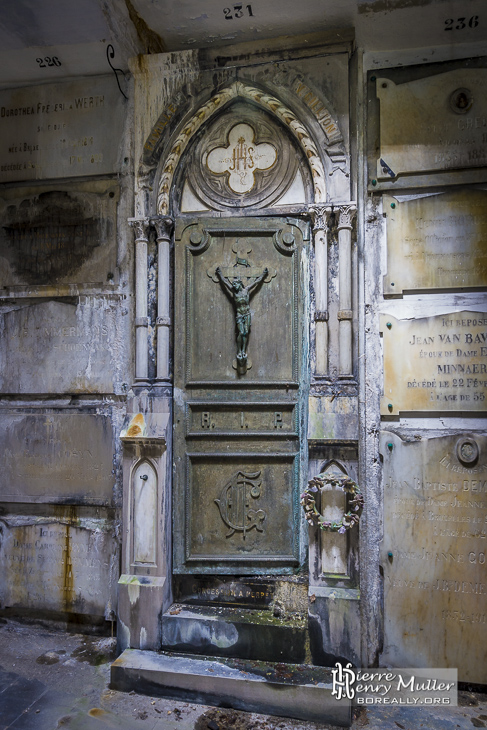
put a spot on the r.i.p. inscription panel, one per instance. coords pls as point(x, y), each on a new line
point(436, 242)
point(434, 553)
point(435, 363)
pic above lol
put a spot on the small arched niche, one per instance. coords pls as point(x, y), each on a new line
point(144, 509)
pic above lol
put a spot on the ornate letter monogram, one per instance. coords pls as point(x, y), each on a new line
point(241, 158)
point(234, 503)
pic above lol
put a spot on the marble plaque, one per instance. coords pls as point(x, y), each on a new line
point(436, 242)
point(434, 553)
point(56, 565)
point(433, 125)
point(60, 130)
point(53, 457)
point(435, 363)
point(60, 347)
point(51, 237)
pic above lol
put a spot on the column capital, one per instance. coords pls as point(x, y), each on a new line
point(164, 226)
point(346, 214)
point(319, 216)
point(141, 228)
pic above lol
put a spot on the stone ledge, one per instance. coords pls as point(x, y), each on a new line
point(243, 685)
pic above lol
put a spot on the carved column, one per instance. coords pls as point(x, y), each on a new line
point(164, 227)
point(346, 213)
point(319, 214)
point(141, 229)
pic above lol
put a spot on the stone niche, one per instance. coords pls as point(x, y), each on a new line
point(69, 345)
point(67, 129)
point(436, 242)
point(58, 236)
point(65, 564)
point(434, 553)
point(435, 364)
point(53, 457)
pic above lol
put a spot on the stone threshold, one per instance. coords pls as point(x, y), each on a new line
point(234, 632)
point(298, 691)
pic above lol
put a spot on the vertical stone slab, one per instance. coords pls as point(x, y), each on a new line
point(66, 564)
point(433, 553)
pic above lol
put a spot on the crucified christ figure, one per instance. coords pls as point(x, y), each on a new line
point(240, 295)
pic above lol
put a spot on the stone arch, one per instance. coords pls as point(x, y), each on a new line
point(216, 103)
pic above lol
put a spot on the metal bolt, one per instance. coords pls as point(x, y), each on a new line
point(390, 407)
point(390, 446)
point(393, 205)
point(374, 182)
point(392, 283)
point(144, 477)
point(390, 555)
point(388, 325)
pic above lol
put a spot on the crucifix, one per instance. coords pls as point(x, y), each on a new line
point(240, 283)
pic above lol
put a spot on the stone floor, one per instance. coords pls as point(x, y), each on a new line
point(54, 681)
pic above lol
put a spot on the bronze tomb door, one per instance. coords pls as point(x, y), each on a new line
point(239, 385)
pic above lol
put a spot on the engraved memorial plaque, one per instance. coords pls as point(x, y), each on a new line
point(215, 591)
point(432, 127)
point(57, 236)
point(52, 564)
point(52, 457)
point(435, 363)
point(60, 347)
point(436, 242)
point(59, 130)
point(237, 366)
point(434, 553)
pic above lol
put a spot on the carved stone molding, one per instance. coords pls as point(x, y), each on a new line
point(319, 216)
point(345, 314)
point(141, 228)
point(322, 316)
point(346, 214)
point(164, 226)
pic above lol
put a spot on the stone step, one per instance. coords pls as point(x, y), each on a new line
point(234, 632)
point(302, 692)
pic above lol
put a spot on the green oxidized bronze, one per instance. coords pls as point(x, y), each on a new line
point(240, 296)
point(355, 504)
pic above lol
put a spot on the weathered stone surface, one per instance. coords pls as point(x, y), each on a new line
point(214, 591)
point(433, 553)
point(234, 632)
point(60, 130)
point(52, 457)
point(62, 346)
point(60, 236)
point(436, 242)
point(433, 125)
point(435, 363)
point(301, 691)
point(65, 564)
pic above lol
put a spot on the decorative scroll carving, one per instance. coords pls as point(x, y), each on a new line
point(264, 100)
point(235, 505)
